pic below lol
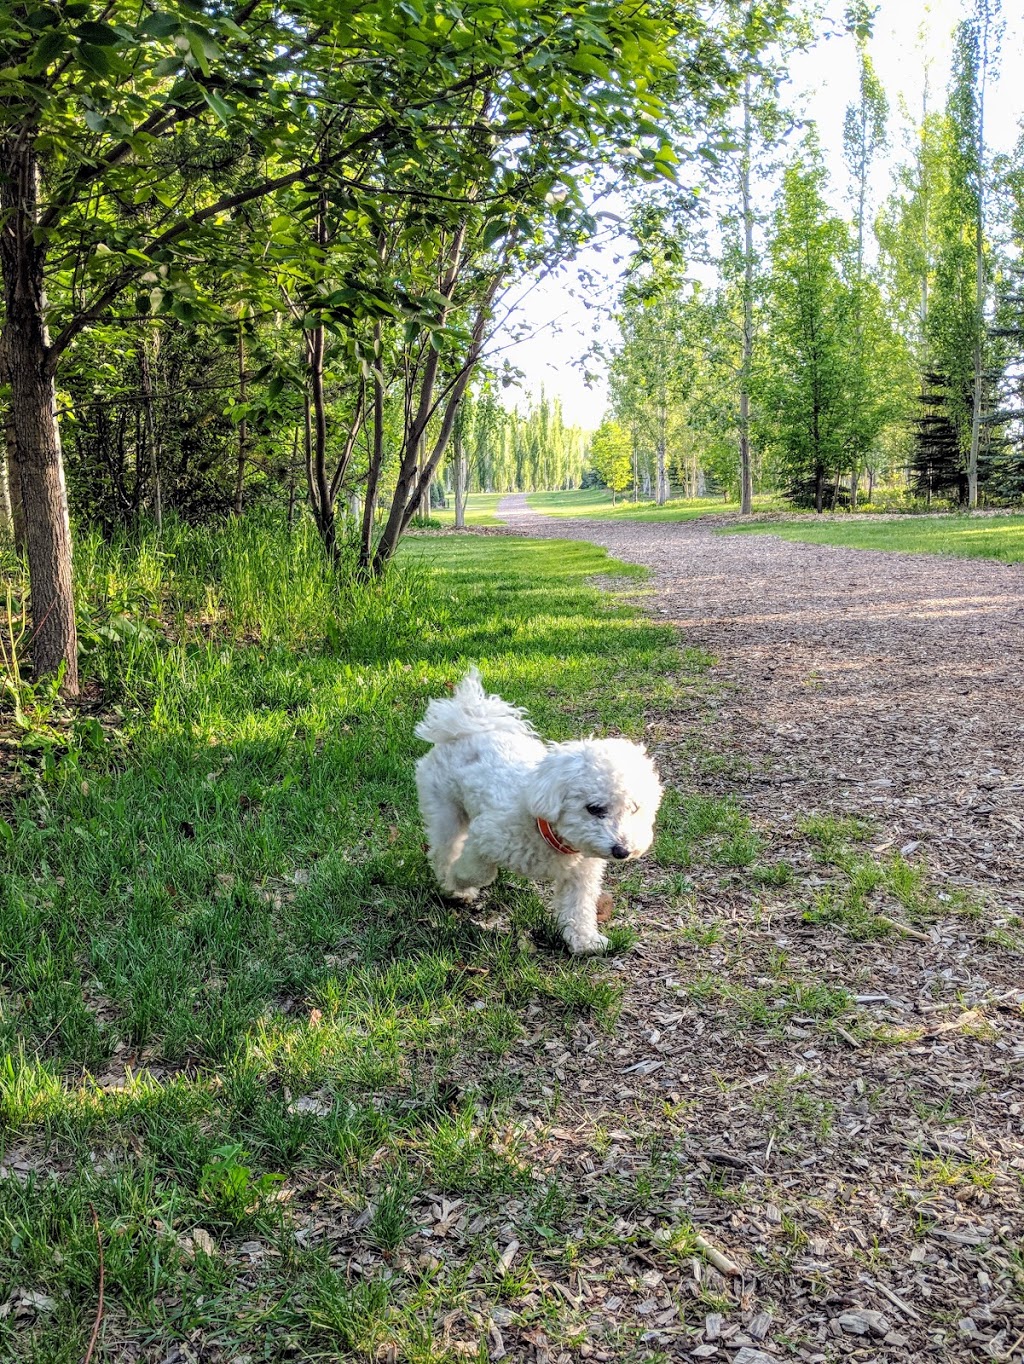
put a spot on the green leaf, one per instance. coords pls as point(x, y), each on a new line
point(99, 35)
point(95, 121)
point(94, 59)
point(220, 107)
point(159, 26)
point(49, 46)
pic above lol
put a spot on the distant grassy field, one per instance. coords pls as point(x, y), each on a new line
point(598, 502)
point(480, 510)
point(974, 537)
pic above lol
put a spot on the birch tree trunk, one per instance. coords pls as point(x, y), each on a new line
point(460, 482)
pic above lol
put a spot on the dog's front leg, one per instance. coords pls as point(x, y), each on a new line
point(576, 907)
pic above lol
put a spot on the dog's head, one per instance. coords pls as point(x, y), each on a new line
point(599, 795)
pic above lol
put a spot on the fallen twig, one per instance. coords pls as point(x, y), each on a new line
point(99, 1306)
point(720, 1261)
point(847, 1037)
point(897, 1301)
point(903, 928)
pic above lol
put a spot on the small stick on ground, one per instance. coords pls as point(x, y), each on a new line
point(721, 1262)
point(99, 1306)
point(905, 929)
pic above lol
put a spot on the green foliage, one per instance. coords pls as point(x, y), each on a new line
point(610, 455)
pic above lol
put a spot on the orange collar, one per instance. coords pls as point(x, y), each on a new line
point(551, 838)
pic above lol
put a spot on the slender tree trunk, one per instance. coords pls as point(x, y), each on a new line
point(291, 480)
point(38, 462)
point(460, 482)
point(871, 483)
point(376, 459)
point(746, 479)
point(6, 514)
point(243, 430)
point(410, 489)
point(150, 427)
point(854, 481)
point(320, 493)
point(979, 256)
point(661, 496)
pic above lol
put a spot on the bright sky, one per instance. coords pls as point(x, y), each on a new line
point(909, 39)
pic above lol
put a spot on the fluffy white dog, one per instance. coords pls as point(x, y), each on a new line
point(492, 794)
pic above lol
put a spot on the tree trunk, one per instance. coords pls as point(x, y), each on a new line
point(409, 489)
point(854, 480)
point(819, 489)
point(146, 377)
point(746, 480)
point(460, 482)
point(38, 463)
point(376, 459)
point(979, 295)
point(243, 430)
point(320, 491)
point(871, 483)
point(6, 515)
point(661, 496)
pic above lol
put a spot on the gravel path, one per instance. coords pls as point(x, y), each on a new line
point(864, 1169)
point(888, 684)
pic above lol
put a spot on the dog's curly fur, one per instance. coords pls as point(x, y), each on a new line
point(489, 782)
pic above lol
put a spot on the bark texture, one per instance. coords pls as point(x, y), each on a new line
point(37, 462)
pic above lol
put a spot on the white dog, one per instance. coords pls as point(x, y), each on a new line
point(492, 795)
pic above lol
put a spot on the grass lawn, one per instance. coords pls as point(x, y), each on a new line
point(246, 1051)
point(598, 502)
point(976, 537)
point(481, 510)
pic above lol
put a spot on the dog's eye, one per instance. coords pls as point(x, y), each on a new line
point(598, 811)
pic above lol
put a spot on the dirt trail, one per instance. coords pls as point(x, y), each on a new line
point(888, 684)
point(863, 1168)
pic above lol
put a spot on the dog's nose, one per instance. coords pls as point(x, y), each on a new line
point(619, 852)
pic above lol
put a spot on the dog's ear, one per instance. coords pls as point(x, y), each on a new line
point(546, 791)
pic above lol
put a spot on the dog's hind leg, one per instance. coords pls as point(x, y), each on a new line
point(576, 907)
point(469, 873)
point(446, 827)
point(443, 819)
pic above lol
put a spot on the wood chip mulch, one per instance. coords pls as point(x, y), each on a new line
point(864, 1176)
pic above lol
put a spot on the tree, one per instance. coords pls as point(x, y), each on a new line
point(610, 456)
point(805, 400)
point(650, 372)
point(956, 317)
point(863, 137)
point(141, 145)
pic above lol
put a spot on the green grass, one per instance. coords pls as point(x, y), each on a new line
point(983, 537)
point(481, 509)
point(234, 1012)
point(597, 502)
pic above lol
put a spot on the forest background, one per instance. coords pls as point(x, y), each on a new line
point(272, 259)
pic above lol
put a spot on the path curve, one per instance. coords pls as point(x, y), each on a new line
point(868, 681)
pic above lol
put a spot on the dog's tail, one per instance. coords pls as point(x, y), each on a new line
point(469, 710)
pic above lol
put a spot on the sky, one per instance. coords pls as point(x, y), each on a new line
point(911, 44)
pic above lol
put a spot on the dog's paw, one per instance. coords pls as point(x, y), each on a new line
point(464, 897)
point(585, 944)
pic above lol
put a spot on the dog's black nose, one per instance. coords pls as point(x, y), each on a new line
point(619, 852)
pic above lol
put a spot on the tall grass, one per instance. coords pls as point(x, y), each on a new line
point(156, 611)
